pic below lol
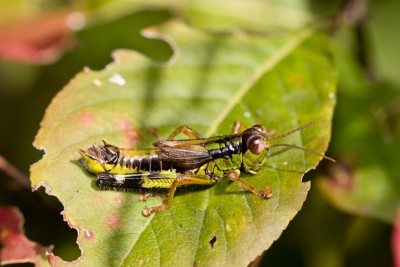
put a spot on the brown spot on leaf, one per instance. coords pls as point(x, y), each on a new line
point(87, 118)
point(117, 198)
point(126, 126)
point(132, 137)
point(113, 221)
point(88, 234)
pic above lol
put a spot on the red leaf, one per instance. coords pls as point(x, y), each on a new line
point(39, 40)
point(16, 248)
point(396, 242)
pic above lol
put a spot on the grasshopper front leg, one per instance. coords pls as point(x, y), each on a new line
point(234, 176)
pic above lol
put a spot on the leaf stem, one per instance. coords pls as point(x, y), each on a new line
point(20, 178)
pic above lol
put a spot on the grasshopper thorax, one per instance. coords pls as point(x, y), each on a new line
point(255, 147)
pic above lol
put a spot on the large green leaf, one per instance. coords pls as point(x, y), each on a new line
point(281, 81)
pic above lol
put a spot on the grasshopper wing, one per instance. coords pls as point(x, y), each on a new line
point(186, 157)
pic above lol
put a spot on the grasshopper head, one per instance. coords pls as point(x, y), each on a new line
point(97, 157)
point(255, 147)
point(256, 143)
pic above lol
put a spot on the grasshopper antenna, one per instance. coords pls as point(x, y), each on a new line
point(293, 131)
point(298, 147)
point(304, 149)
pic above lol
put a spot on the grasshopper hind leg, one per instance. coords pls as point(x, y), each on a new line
point(145, 196)
point(238, 127)
point(182, 179)
point(186, 130)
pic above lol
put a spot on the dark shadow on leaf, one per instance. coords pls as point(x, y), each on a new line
point(202, 84)
point(87, 173)
point(45, 225)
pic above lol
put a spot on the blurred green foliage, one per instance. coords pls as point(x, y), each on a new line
point(365, 132)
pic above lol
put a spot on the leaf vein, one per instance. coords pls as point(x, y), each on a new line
point(268, 65)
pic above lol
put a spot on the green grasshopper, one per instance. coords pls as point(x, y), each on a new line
point(195, 161)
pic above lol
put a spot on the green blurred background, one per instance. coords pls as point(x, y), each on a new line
point(348, 217)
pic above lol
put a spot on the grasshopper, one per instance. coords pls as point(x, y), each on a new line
point(194, 161)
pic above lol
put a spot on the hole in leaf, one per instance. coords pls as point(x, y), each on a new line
point(212, 241)
point(45, 225)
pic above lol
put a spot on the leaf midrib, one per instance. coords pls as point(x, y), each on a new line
point(268, 65)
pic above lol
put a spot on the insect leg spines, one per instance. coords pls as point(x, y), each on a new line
point(181, 179)
point(148, 180)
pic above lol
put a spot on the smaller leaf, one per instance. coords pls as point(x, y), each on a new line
point(16, 247)
point(396, 242)
point(37, 40)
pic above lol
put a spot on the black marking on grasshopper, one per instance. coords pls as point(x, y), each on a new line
point(229, 145)
point(111, 159)
point(199, 154)
point(134, 180)
point(195, 161)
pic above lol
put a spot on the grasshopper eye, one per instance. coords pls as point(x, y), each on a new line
point(260, 128)
point(256, 144)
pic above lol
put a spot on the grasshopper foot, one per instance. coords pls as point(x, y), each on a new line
point(147, 211)
point(144, 197)
point(265, 193)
